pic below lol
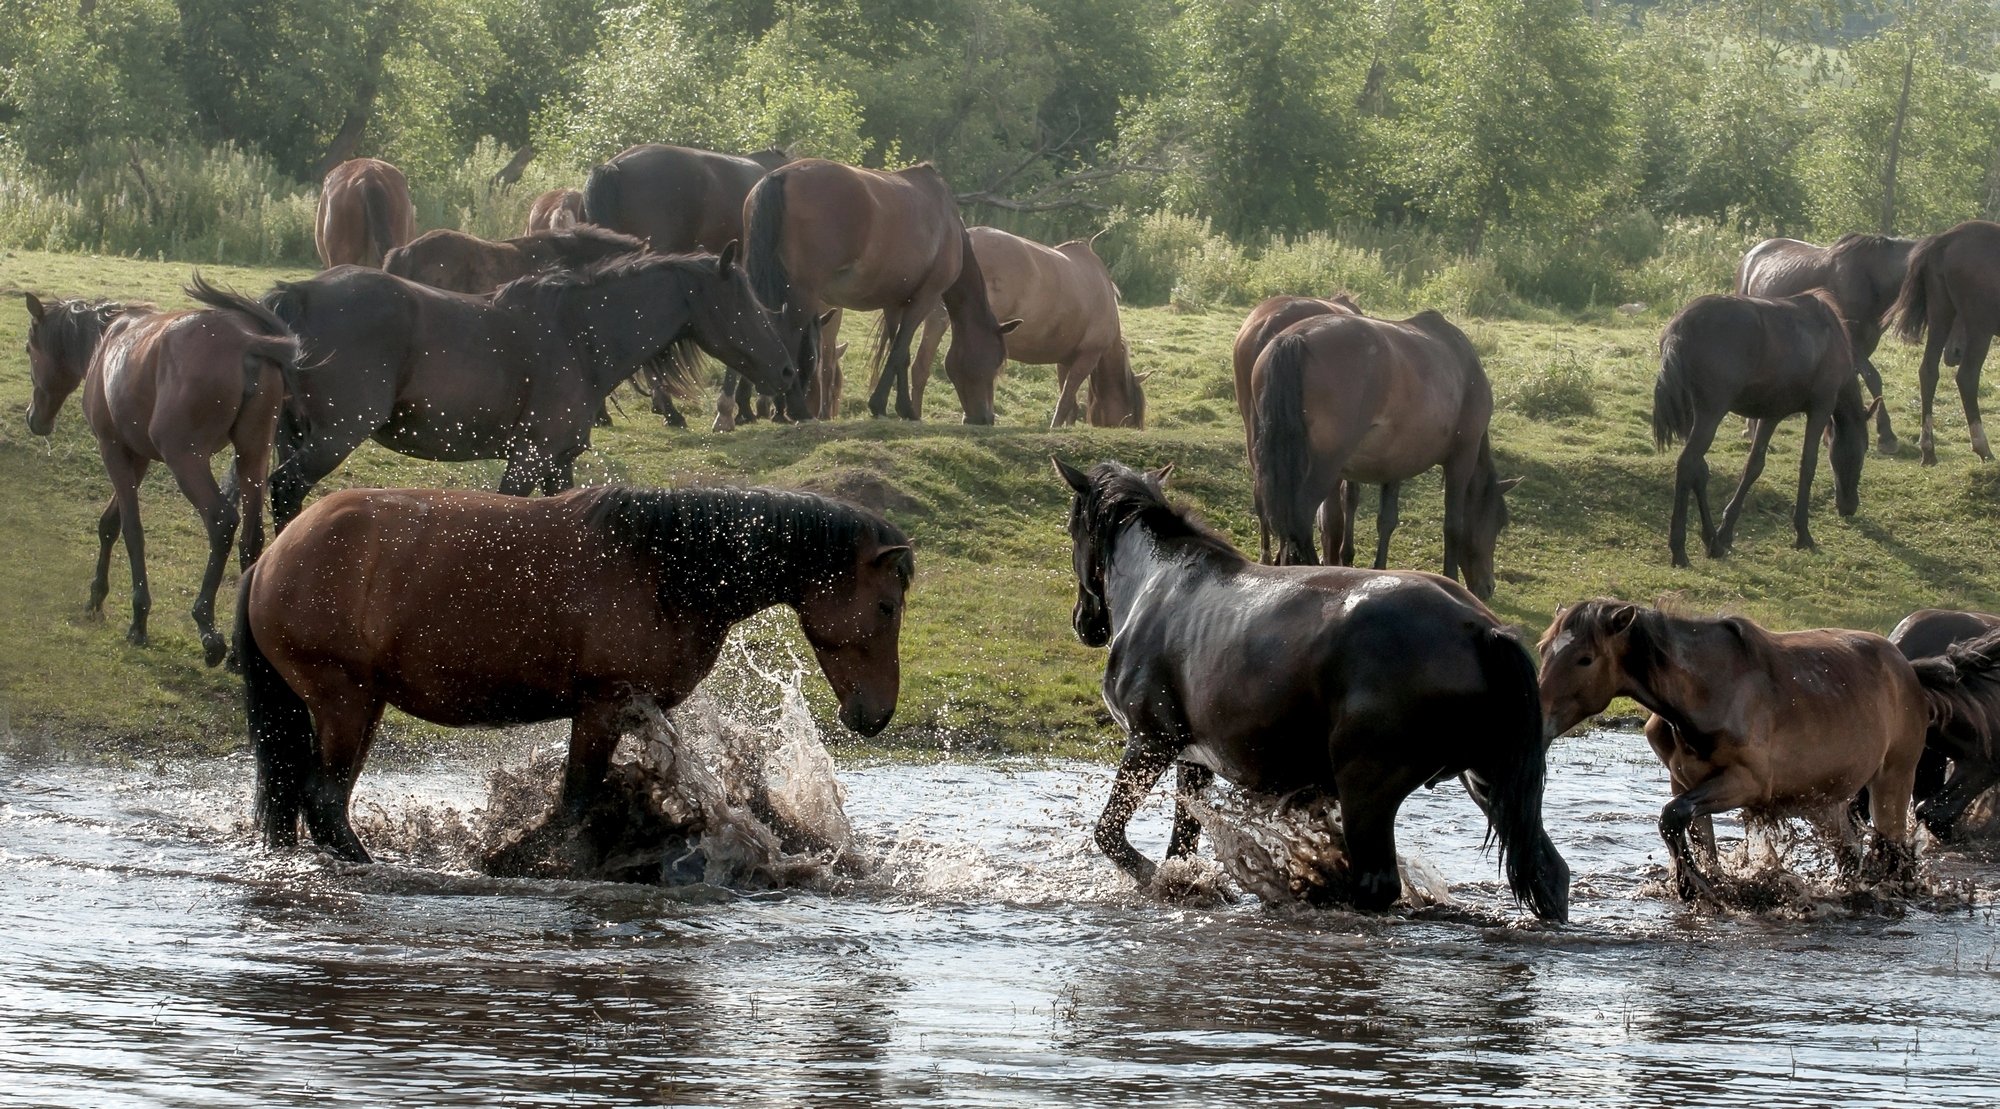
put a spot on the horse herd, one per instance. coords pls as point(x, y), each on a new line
point(1280, 675)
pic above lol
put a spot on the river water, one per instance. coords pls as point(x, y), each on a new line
point(151, 955)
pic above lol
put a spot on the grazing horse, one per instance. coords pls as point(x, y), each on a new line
point(1359, 683)
point(1264, 323)
point(1068, 308)
point(1349, 397)
point(364, 212)
point(1765, 359)
point(822, 235)
point(170, 387)
point(466, 608)
point(1953, 288)
point(1862, 273)
point(518, 375)
point(556, 210)
point(465, 263)
point(1955, 740)
point(1773, 723)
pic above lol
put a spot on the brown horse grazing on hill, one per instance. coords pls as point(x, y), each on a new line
point(1773, 723)
point(1862, 273)
point(364, 212)
point(465, 608)
point(822, 235)
point(1068, 308)
point(677, 198)
point(1264, 323)
point(1288, 680)
point(170, 387)
point(518, 375)
point(556, 210)
point(1356, 399)
point(1765, 359)
point(465, 263)
point(1953, 289)
point(1928, 634)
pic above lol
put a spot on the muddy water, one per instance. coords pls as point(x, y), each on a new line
point(150, 956)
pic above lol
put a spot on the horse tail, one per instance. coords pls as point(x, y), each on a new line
point(1673, 402)
point(1962, 688)
point(381, 228)
point(600, 195)
point(1911, 310)
point(763, 254)
point(1284, 454)
point(1510, 788)
point(281, 731)
point(285, 306)
point(273, 344)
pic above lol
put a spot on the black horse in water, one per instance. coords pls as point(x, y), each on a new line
point(1364, 684)
point(520, 375)
point(1964, 739)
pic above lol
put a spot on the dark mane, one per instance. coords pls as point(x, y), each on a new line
point(759, 545)
point(71, 329)
point(1863, 240)
point(1964, 689)
point(583, 243)
point(599, 271)
point(1121, 495)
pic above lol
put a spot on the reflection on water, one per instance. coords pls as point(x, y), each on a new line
point(149, 955)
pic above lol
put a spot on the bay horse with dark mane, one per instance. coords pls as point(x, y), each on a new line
point(466, 608)
point(1350, 398)
point(1862, 273)
point(1953, 289)
point(556, 210)
point(1773, 723)
point(824, 235)
point(1765, 359)
point(1964, 736)
point(171, 387)
point(519, 375)
point(1360, 684)
point(1266, 322)
point(364, 212)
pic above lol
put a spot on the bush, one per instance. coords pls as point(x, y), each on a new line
point(1318, 264)
point(1470, 286)
point(1564, 386)
point(1695, 256)
point(1146, 253)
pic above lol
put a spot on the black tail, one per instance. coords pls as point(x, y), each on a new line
point(279, 347)
point(281, 732)
point(1284, 451)
point(1510, 788)
point(285, 305)
point(763, 254)
point(382, 236)
point(1911, 311)
point(1673, 402)
point(600, 196)
point(1962, 687)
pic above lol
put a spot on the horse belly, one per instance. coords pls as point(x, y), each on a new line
point(1396, 452)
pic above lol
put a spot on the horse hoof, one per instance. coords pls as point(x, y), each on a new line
point(1929, 457)
point(1680, 561)
point(136, 637)
point(1888, 446)
point(213, 649)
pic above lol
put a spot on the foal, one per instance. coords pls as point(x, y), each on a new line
point(1774, 723)
point(171, 387)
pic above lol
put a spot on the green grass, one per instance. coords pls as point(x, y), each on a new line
point(989, 659)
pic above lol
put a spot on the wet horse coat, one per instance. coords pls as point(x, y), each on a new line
point(1965, 712)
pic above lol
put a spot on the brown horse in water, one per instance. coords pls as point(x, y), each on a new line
point(1774, 723)
point(365, 211)
point(170, 387)
point(1965, 711)
point(465, 263)
point(823, 235)
point(465, 608)
point(1264, 323)
point(1356, 399)
point(1765, 359)
point(1862, 273)
point(1067, 308)
point(555, 210)
point(519, 375)
point(1288, 679)
point(1953, 289)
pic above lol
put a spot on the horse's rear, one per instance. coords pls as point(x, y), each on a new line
point(555, 210)
point(365, 211)
point(1952, 290)
point(1264, 323)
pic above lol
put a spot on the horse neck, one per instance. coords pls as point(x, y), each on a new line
point(1137, 559)
point(971, 314)
point(620, 340)
point(1662, 680)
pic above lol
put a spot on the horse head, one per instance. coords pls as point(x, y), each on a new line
point(1583, 661)
point(62, 336)
point(854, 621)
point(730, 323)
point(1093, 522)
point(1486, 518)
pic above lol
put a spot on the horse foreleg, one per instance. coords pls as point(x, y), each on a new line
point(1350, 500)
point(1136, 777)
point(107, 537)
point(1725, 537)
point(1190, 779)
point(219, 518)
point(1968, 389)
point(1691, 482)
point(322, 450)
point(1732, 788)
point(126, 470)
point(1386, 519)
point(726, 404)
point(1816, 425)
point(593, 736)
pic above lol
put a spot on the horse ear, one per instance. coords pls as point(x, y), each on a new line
point(1621, 618)
point(35, 307)
point(1077, 479)
point(1507, 484)
point(1009, 326)
point(887, 555)
point(726, 262)
point(1159, 477)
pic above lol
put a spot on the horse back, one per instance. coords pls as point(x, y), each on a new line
point(1929, 632)
point(680, 198)
point(175, 380)
point(864, 239)
point(1392, 397)
point(1065, 299)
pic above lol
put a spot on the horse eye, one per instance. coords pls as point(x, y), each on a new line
point(887, 608)
point(1584, 660)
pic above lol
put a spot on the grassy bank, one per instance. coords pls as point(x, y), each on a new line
point(990, 662)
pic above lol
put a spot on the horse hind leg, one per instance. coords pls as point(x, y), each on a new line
point(220, 518)
point(1940, 324)
point(1370, 794)
point(1190, 779)
point(1137, 774)
point(1885, 436)
point(346, 727)
point(1976, 344)
point(1691, 482)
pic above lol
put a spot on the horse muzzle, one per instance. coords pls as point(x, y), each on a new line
point(863, 719)
point(39, 424)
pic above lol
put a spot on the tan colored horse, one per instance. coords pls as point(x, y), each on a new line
point(364, 212)
point(1356, 399)
point(1068, 308)
point(555, 210)
point(1773, 723)
point(824, 235)
point(1265, 323)
point(171, 387)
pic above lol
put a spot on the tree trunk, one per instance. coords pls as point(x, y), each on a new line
point(1896, 146)
point(347, 140)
